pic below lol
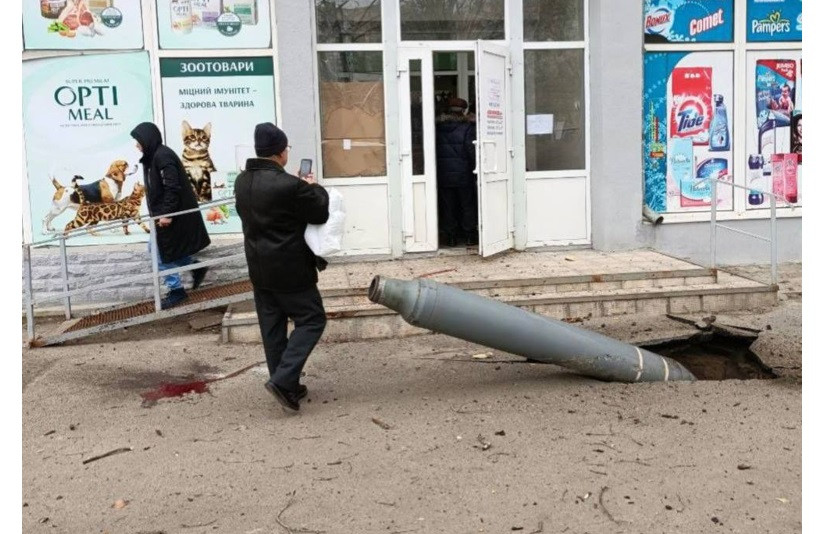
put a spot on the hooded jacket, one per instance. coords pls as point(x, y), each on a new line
point(168, 190)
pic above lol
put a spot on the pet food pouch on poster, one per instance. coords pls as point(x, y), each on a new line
point(205, 12)
point(775, 91)
point(247, 10)
point(691, 110)
point(326, 239)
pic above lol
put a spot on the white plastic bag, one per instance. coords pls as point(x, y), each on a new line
point(326, 239)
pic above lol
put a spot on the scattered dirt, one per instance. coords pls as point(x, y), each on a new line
point(469, 447)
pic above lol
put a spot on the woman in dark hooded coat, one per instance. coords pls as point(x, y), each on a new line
point(168, 190)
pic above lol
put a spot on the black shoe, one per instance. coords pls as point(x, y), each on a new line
point(471, 239)
point(199, 275)
point(287, 399)
point(175, 296)
point(301, 392)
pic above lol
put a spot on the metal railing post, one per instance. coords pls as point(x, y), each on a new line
point(774, 275)
point(65, 278)
point(712, 222)
point(30, 307)
point(155, 266)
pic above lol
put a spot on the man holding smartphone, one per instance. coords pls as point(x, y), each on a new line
point(275, 208)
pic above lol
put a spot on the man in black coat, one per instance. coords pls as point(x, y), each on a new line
point(168, 190)
point(456, 196)
point(275, 208)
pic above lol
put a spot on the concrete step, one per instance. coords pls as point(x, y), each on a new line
point(352, 317)
point(518, 287)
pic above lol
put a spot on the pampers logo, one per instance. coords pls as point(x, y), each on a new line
point(659, 20)
point(773, 24)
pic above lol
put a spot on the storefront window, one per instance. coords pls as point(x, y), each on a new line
point(353, 114)
point(690, 97)
point(348, 21)
point(451, 20)
point(554, 96)
point(553, 20)
point(688, 104)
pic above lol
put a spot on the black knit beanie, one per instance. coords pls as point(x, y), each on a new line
point(269, 140)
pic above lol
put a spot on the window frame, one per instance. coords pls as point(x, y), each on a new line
point(584, 44)
point(346, 47)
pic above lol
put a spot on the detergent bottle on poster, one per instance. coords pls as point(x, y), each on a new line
point(755, 163)
point(791, 171)
point(719, 131)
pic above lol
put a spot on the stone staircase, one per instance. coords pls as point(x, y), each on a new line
point(566, 286)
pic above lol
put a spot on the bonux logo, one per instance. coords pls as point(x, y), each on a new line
point(771, 25)
point(658, 21)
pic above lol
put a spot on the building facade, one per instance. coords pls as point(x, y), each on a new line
point(584, 111)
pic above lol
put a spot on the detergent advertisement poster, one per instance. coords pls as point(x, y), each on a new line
point(82, 164)
point(211, 107)
point(774, 20)
point(687, 21)
point(82, 25)
point(773, 159)
point(687, 130)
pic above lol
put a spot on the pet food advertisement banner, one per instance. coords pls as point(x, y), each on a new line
point(211, 107)
point(82, 24)
point(774, 20)
point(687, 130)
point(78, 113)
point(687, 21)
point(213, 24)
point(773, 159)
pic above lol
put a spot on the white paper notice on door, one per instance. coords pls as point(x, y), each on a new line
point(539, 124)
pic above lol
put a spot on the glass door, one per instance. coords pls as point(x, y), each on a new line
point(495, 169)
point(417, 149)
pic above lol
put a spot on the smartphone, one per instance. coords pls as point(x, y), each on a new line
point(306, 168)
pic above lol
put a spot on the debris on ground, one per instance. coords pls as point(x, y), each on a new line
point(484, 444)
point(382, 424)
point(106, 454)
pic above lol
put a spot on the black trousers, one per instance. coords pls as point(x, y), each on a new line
point(285, 358)
point(457, 210)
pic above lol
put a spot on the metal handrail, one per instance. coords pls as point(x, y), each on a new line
point(791, 205)
point(714, 226)
point(121, 222)
point(98, 282)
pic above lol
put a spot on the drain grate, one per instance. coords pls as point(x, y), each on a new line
point(147, 308)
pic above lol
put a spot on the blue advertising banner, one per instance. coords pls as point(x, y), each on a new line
point(687, 129)
point(687, 21)
point(774, 20)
